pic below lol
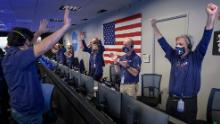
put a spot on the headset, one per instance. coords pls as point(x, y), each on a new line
point(189, 42)
point(132, 45)
point(18, 36)
point(19, 33)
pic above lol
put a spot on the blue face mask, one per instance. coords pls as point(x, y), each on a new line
point(125, 49)
point(180, 51)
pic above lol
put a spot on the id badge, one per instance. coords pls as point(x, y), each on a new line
point(180, 106)
point(94, 65)
point(123, 79)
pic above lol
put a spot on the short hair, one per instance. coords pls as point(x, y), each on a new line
point(18, 36)
point(188, 39)
point(131, 41)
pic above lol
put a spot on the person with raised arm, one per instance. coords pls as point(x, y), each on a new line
point(20, 71)
point(185, 74)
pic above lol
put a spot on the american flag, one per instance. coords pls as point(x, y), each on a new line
point(115, 33)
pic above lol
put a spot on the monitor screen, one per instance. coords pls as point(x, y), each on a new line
point(88, 83)
point(133, 111)
point(75, 75)
point(111, 100)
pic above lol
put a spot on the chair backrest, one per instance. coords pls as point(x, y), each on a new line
point(114, 77)
point(213, 108)
point(151, 84)
point(76, 77)
point(76, 62)
point(81, 66)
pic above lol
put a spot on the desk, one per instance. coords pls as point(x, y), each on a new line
point(74, 108)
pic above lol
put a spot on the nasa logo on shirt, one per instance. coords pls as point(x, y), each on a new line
point(183, 63)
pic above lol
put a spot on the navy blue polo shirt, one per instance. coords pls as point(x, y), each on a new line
point(133, 61)
point(185, 74)
point(96, 61)
point(24, 86)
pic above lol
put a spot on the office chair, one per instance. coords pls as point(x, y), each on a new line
point(151, 94)
point(82, 66)
point(76, 64)
point(213, 108)
point(114, 78)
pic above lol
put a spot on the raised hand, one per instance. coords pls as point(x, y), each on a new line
point(43, 26)
point(212, 9)
point(153, 22)
point(81, 36)
point(157, 32)
point(67, 19)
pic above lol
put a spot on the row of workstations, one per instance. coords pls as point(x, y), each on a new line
point(94, 101)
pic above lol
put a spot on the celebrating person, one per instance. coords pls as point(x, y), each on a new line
point(185, 74)
point(20, 71)
point(129, 65)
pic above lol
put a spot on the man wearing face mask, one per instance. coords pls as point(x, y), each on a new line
point(20, 71)
point(129, 65)
point(96, 61)
point(185, 74)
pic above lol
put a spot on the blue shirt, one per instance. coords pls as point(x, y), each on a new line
point(185, 74)
point(24, 86)
point(46, 62)
point(96, 61)
point(134, 61)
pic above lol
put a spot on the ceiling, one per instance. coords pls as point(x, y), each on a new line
point(28, 13)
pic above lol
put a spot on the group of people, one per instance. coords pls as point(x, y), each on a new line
point(63, 55)
point(24, 86)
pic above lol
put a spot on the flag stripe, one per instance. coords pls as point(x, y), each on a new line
point(128, 35)
point(129, 18)
point(118, 53)
point(128, 23)
point(133, 38)
point(128, 31)
point(120, 46)
point(120, 50)
point(136, 25)
point(108, 61)
point(137, 42)
point(117, 31)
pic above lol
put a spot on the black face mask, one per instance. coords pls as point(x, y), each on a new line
point(125, 49)
point(180, 51)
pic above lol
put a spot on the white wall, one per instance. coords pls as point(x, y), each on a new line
point(161, 9)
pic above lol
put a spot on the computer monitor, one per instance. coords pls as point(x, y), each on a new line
point(110, 100)
point(75, 76)
point(58, 70)
point(87, 82)
point(129, 110)
point(62, 70)
point(66, 72)
point(136, 112)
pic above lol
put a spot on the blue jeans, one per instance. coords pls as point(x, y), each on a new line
point(29, 119)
